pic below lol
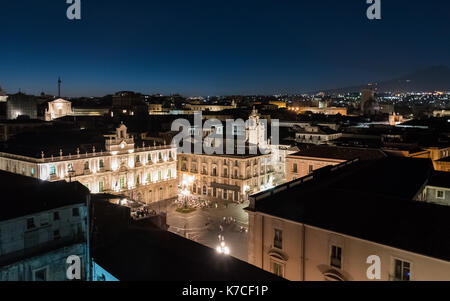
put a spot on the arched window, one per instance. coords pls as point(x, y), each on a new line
point(204, 189)
point(160, 193)
point(150, 195)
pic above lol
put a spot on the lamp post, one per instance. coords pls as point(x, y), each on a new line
point(222, 248)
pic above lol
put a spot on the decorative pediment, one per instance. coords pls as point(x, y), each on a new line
point(278, 255)
point(333, 275)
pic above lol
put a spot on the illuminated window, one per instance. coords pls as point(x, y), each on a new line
point(100, 186)
point(138, 158)
point(122, 183)
point(101, 164)
point(440, 194)
point(159, 175)
point(86, 165)
point(52, 170)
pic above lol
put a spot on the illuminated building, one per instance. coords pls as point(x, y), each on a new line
point(146, 173)
point(325, 226)
point(21, 105)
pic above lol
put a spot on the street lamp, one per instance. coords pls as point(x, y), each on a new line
point(222, 248)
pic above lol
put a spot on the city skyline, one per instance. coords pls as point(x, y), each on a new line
point(209, 48)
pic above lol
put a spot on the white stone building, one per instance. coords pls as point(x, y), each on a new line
point(146, 173)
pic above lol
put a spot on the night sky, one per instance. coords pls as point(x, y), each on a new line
point(215, 47)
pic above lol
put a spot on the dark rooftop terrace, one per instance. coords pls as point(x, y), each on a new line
point(371, 200)
point(23, 195)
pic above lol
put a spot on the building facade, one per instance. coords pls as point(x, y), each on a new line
point(366, 217)
point(225, 177)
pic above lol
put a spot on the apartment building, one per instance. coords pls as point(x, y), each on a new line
point(341, 220)
point(42, 224)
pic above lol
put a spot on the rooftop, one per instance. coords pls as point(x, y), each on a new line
point(439, 179)
point(23, 195)
point(340, 153)
point(370, 200)
point(156, 255)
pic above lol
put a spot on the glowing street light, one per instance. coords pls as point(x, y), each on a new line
point(222, 248)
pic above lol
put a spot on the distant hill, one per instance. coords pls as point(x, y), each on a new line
point(436, 78)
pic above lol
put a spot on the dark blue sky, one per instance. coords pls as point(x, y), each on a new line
point(215, 47)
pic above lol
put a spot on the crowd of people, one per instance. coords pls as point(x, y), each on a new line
point(142, 212)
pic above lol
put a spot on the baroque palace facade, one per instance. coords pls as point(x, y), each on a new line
point(226, 177)
point(147, 174)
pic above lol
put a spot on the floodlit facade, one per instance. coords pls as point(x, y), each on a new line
point(58, 108)
point(147, 174)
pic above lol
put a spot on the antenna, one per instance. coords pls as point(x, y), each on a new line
point(59, 87)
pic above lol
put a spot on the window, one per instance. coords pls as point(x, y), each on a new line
point(440, 194)
point(52, 170)
point(204, 190)
point(160, 193)
point(56, 235)
point(225, 172)
point(149, 157)
point(336, 257)
point(159, 175)
point(100, 186)
point(122, 183)
point(32, 171)
point(402, 270)
point(56, 216)
point(75, 212)
point(86, 165)
point(138, 158)
point(160, 156)
point(40, 275)
point(225, 195)
point(294, 168)
point(277, 268)
point(23, 170)
point(169, 173)
point(311, 168)
point(149, 177)
point(214, 192)
point(150, 195)
point(30, 223)
point(101, 164)
point(278, 239)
